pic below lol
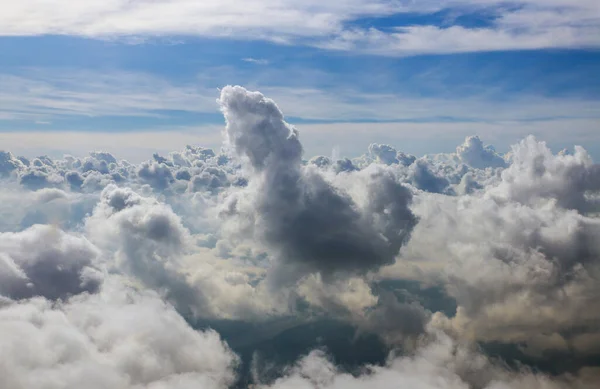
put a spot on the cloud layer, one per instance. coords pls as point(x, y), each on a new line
point(528, 24)
point(472, 269)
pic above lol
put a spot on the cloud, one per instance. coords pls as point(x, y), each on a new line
point(148, 239)
point(45, 261)
point(42, 94)
point(22, 209)
point(520, 262)
point(118, 338)
point(415, 40)
point(536, 174)
point(423, 178)
point(8, 163)
point(388, 155)
point(474, 154)
point(257, 61)
point(294, 211)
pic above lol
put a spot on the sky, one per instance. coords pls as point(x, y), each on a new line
point(419, 75)
point(279, 194)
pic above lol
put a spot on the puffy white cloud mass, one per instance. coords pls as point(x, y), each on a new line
point(118, 338)
point(251, 265)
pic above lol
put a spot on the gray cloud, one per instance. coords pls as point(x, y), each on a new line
point(45, 261)
point(147, 239)
point(423, 178)
point(304, 221)
point(8, 163)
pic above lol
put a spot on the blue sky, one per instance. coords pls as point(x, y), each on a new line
point(419, 75)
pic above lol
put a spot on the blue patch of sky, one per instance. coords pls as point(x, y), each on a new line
point(473, 17)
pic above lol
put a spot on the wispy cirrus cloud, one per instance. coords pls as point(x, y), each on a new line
point(42, 95)
point(257, 61)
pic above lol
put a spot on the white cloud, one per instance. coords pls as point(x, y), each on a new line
point(213, 18)
point(474, 154)
point(148, 241)
point(118, 338)
point(519, 255)
point(413, 40)
point(257, 61)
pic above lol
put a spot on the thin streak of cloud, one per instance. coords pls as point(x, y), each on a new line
point(43, 96)
point(257, 61)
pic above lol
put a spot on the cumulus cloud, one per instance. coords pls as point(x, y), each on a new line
point(8, 163)
point(474, 154)
point(573, 181)
point(520, 259)
point(388, 155)
point(45, 261)
point(307, 224)
point(423, 178)
point(156, 174)
point(147, 239)
point(21, 209)
point(119, 337)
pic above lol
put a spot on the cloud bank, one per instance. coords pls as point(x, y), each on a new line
point(252, 266)
point(527, 24)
